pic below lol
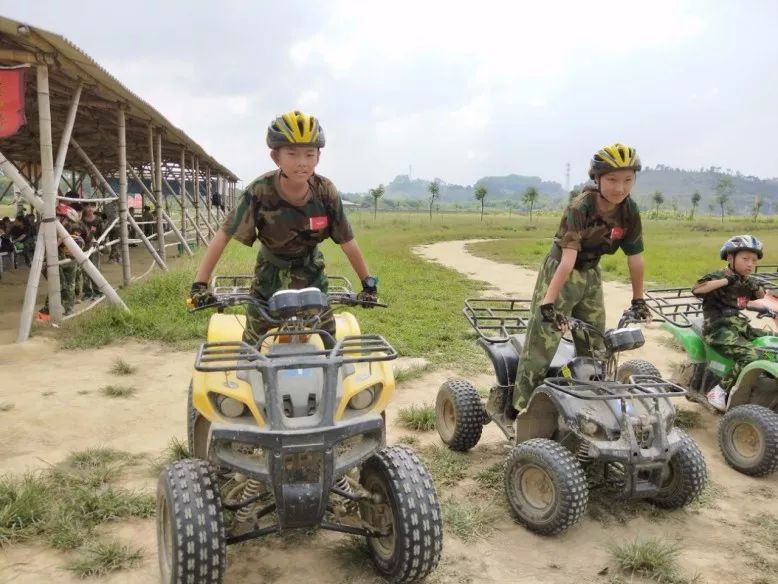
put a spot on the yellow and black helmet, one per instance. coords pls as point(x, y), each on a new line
point(295, 129)
point(614, 157)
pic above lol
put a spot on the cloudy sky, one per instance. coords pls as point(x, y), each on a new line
point(458, 93)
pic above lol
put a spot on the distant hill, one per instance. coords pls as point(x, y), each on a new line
point(676, 185)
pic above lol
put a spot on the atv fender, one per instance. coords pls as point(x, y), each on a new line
point(505, 360)
point(691, 341)
point(753, 388)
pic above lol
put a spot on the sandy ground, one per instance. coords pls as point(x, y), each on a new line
point(53, 415)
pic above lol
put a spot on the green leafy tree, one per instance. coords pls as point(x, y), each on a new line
point(434, 191)
point(724, 190)
point(480, 195)
point(658, 199)
point(696, 198)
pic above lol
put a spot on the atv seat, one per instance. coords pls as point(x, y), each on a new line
point(564, 354)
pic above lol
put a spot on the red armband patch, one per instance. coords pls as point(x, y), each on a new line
point(318, 223)
point(617, 233)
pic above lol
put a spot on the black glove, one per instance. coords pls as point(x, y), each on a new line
point(199, 295)
point(549, 314)
point(369, 290)
point(640, 309)
point(732, 278)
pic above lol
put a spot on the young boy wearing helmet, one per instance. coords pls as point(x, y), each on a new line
point(602, 219)
point(71, 221)
point(291, 211)
point(724, 294)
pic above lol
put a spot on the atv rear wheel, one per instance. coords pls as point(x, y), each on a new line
point(406, 505)
point(459, 414)
point(191, 543)
point(196, 429)
point(546, 486)
point(748, 438)
point(635, 367)
point(685, 476)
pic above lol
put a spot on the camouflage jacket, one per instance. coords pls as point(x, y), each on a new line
point(93, 229)
point(729, 300)
point(593, 234)
point(286, 230)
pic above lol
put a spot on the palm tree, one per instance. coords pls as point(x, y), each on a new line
point(376, 193)
point(434, 191)
point(480, 195)
point(530, 197)
point(696, 198)
point(658, 199)
point(724, 189)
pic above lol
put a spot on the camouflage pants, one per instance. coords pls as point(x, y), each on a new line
point(581, 298)
point(731, 337)
point(269, 279)
point(90, 288)
point(67, 286)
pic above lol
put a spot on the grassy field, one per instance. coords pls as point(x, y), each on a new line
point(424, 319)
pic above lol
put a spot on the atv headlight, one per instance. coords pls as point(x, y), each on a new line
point(365, 398)
point(229, 407)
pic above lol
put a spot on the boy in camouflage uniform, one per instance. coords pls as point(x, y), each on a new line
point(724, 294)
point(290, 211)
point(67, 273)
point(93, 225)
point(602, 219)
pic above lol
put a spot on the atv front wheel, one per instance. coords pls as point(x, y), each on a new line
point(191, 543)
point(459, 414)
point(684, 477)
point(546, 486)
point(635, 367)
point(748, 438)
point(405, 505)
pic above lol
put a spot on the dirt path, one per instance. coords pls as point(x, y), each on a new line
point(58, 408)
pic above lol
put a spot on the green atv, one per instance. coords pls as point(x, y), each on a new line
point(748, 431)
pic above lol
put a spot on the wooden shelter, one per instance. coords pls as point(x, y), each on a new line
point(103, 131)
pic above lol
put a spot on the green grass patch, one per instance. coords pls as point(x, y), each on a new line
point(446, 466)
point(176, 450)
point(665, 266)
point(492, 478)
point(470, 520)
point(121, 367)
point(652, 558)
point(708, 497)
point(688, 419)
point(103, 558)
point(118, 391)
point(767, 527)
point(411, 373)
point(64, 505)
point(409, 440)
point(418, 418)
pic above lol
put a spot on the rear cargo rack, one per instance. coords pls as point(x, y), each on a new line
point(767, 275)
point(639, 387)
point(495, 319)
point(674, 305)
point(231, 285)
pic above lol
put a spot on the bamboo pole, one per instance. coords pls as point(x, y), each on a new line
point(64, 140)
point(123, 213)
point(49, 195)
point(158, 199)
point(196, 189)
point(182, 189)
point(179, 235)
point(31, 293)
point(152, 166)
point(208, 194)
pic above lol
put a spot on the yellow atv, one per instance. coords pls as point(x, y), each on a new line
point(289, 434)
